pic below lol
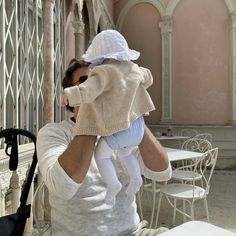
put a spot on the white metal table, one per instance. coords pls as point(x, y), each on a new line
point(172, 141)
point(179, 154)
point(198, 228)
point(177, 137)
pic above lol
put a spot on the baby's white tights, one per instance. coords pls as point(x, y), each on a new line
point(105, 166)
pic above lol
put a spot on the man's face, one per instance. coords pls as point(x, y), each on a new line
point(75, 81)
point(78, 73)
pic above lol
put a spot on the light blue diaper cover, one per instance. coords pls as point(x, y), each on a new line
point(128, 137)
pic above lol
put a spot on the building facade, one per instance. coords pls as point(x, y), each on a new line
point(188, 45)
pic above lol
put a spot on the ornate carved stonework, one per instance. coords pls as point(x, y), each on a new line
point(166, 25)
point(78, 27)
point(4, 180)
point(14, 180)
point(78, 23)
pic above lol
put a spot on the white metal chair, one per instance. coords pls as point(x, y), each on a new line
point(186, 173)
point(41, 210)
point(190, 192)
point(152, 187)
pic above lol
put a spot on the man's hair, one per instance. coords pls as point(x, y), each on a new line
point(74, 64)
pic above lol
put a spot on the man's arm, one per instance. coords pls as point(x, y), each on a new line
point(153, 158)
point(154, 155)
point(76, 159)
point(63, 163)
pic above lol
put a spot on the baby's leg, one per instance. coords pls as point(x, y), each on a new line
point(105, 166)
point(130, 162)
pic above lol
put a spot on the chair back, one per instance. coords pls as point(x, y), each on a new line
point(206, 136)
point(188, 132)
point(41, 210)
point(207, 166)
point(196, 145)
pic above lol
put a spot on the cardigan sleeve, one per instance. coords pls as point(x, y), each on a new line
point(86, 92)
point(147, 75)
point(51, 143)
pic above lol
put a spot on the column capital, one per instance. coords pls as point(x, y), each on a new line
point(166, 25)
point(77, 22)
point(78, 26)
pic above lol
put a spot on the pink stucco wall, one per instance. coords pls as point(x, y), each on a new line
point(201, 92)
point(142, 32)
point(200, 62)
point(201, 54)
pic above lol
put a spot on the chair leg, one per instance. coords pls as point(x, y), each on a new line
point(207, 212)
point(158, 209)
point(140, 205)
point(153, 201)
point(184, 210)
point(192, 209)
point(174, 212)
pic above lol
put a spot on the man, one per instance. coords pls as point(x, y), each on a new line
point(76, 190)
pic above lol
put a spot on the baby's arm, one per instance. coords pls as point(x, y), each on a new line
point(86, 92)
point(147, 75)
point(64, 100)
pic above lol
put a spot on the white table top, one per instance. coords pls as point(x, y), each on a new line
point(198, 228)
point(179, 154)
point(172, 137)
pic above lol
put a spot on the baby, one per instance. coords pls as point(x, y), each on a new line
point(113, 101)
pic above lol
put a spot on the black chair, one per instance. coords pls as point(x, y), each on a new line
point(14, 224)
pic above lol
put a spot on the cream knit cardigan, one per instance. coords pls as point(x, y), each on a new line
point(112, 97)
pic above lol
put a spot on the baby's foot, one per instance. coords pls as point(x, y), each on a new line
point(134, 187)
point(111, 194)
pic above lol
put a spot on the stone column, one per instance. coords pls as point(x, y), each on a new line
point(48, 52)
point(166, 37)
point(233, 66)
point(78, 26)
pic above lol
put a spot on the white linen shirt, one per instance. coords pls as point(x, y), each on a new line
point(79, 209)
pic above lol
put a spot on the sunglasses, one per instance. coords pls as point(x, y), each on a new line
point(80, 80)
